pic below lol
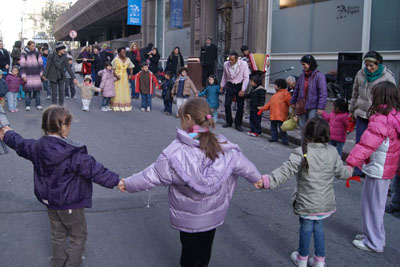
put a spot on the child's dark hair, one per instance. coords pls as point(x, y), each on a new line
point(281, 83)
point(54, 117)
point(182, 70)
point(316, 130)
point(215, 79)
point(256, 79)
point(170, 74)
point(341, 104)
point(385, 98)
point(144, 64)
point(107, 63)
point(198, 109)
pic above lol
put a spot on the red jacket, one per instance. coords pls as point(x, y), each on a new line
point(153, 81)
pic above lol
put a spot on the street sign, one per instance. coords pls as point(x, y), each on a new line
point(73, 34)
point(134, 12)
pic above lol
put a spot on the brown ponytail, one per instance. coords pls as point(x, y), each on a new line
point(54, 117)
point(199, 111)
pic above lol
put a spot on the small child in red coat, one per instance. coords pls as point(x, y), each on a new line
point(145, 83)
point(338, 121)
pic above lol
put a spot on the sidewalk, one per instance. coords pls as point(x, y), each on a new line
point(294, 136)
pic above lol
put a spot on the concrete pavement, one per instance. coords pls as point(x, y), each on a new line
point(260, 229)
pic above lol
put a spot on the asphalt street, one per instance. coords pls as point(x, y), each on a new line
point(260, 229)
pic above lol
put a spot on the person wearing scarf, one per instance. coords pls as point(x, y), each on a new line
point(373, 73)
point(56, 66)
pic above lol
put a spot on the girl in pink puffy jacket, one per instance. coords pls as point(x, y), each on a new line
point(338, 121)
point(377, 155)
point(201, 170)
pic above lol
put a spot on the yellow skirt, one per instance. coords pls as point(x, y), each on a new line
point(122, 100)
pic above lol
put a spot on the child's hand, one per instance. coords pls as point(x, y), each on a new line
point(121, 185)
point(259, 184)
point(3, 132)
point(259, 113)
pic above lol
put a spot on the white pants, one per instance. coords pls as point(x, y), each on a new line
point(180, 101)
point(85, 104)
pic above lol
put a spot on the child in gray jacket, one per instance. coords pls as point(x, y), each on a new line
point(315, 165)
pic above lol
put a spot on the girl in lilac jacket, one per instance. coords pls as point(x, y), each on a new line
point(377, 154)
point(201, 171)
point(107, 85)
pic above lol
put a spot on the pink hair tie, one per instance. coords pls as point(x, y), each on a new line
point(198, 129)
point(209, 117)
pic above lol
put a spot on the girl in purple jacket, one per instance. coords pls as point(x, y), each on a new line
point(377, 155)
point(63, 177)
point(201, 171)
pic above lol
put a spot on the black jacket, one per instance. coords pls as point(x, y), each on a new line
point(172, 63)
point(133, 57)
point(50, 72)
point(257, 97)
point(97, 63)
point(154, 63)
point(106, 55)
point(4, 59)
point(208, 55)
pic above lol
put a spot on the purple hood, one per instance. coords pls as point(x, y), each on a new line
point(199, 189)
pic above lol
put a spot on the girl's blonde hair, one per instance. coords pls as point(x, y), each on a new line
point(200, 112)
point(54, 117)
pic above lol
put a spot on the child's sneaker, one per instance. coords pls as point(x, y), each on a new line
point(249, 133)
point(360, 245)
point(254, 134)
point(27, 108)
point(108, 108)
point(39, 108)
point(317, 262)
point(143, 109)
point(12, 111)
point(148, 109)
point(104, 109)
point(48, 97)
point(16, 110)
point(298, 260)
point(66, 97)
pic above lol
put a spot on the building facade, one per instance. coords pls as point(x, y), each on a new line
point(284, 29)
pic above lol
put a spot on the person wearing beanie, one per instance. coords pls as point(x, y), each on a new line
point(208, 57)
point(57, 63)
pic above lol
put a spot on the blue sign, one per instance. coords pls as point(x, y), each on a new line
point(176, 17)
point(135, 12)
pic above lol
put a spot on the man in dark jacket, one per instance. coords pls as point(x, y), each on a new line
point(97, 67)
point(4, 58)
point(106, 55)
point(57, 63)
point(208, 56)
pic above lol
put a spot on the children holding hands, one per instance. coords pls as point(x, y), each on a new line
point(87, 89)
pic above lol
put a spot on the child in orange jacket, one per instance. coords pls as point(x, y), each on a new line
point(279, 110)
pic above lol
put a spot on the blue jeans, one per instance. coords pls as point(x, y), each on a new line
point(305, 117)
point(168, 106)
point(338, 145)
point(361, 126)
point(146, 100)
point(106, 101)
point(255, 122)
point(275, 127)
point(46, 85)
point(307, 228)
point(69, 87)
point(395, 202)
point(133, 86)
point(12, 100)
point(214, 112)
point(28, 96)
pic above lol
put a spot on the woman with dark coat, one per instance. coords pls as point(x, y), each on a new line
point(154, 58)
point(135, 57)
point(175, 61)
point(310, 94)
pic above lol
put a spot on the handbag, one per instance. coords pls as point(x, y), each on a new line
point(300, 107)
point(290, 124)
point(78, 68)
point(86, 68)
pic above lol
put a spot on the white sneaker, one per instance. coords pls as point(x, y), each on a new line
point(314, 263)
point(296, 261)
point(108, 108)
point(39, 108)
point(148, 109)
point(104, 109)
point(66, 97)
point(28, 108)
point(143, 109)
point(48, 97)
point(360, 245)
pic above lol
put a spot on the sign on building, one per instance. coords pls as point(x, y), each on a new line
point(135, 12)
point(176, 17)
